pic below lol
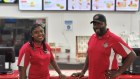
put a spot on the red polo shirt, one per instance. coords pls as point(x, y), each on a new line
point(36, 61)
point(103, 52)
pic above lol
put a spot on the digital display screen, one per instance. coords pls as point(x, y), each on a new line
point(54, 4)
point(79, 5)
point(30, 4)
point(103, 5)
point(8, 1)
point(127, 5)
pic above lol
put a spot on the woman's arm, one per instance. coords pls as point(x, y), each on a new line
point(55, 66)
point(22, 72)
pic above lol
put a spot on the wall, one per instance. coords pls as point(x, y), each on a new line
point(116, 21)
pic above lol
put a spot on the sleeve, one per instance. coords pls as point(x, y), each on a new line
point(51, 54)
point(89, 41)
point(121, 48)
point(51, 57)
point(24, 56)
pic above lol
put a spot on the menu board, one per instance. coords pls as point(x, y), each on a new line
point(30, 4)
point(127, 5)
point(79, 5)
point(8, 1)
point(103, 5)
point(54, 4)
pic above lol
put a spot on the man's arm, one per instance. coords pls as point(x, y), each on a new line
point(127, 62)
point(85, 66)
point(81, 74)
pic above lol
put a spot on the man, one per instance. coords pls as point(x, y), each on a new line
point(103, 49)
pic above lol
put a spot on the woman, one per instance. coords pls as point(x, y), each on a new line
point(35, 57)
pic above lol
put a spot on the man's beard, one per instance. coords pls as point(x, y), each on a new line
point(100, 31)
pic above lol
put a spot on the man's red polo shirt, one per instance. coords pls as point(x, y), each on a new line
point(103, 52)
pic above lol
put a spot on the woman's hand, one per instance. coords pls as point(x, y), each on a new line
point(62, 76)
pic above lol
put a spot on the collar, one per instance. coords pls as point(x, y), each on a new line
point(106, 35)
point(37, 46)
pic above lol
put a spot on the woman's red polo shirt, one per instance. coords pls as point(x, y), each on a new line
point(36, 61)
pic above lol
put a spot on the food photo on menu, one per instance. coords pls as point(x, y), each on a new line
point(30, 4)
point(54, 5)
point(107, 5)
point(127, 5)
point(79, 5)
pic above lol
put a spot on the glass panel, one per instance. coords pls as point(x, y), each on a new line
point(14, 32)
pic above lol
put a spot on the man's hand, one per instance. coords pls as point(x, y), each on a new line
point(78, 74)
point(110, 74)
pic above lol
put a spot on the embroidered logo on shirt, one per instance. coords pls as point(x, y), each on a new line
point(48, 52)
point(105, 45)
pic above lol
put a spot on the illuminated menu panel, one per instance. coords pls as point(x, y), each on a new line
point(54, 4)
point(8, 1)
point(127, 5)
point(30, 4)
point(103, 5)
point(79, 5)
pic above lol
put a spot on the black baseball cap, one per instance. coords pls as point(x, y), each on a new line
point(98, 18)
